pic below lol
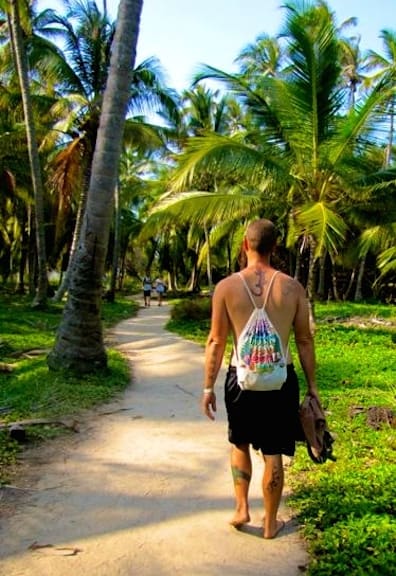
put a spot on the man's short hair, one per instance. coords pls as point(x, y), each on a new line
point(261, 235)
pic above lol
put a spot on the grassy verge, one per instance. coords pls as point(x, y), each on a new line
point(346, 508)
point(29, 389)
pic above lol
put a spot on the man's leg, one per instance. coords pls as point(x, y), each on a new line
point(273, 479)
point(241, 468)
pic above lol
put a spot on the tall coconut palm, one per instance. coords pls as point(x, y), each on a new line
point(134, 188)
point(298, 142)
point(383, 69)
point(261, 58)
point(86, 35)
point(374, 217)
point(205, 114)
point(79, 344)
point(351, 60)
point(15, 187)
point(22, 66)
point(384, 66)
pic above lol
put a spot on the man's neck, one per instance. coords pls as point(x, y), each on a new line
point(258, 262)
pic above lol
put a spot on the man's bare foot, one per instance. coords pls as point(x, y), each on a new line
point(239, 519)
point(280, 524)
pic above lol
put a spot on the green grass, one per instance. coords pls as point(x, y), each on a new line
point(30, 390)
point(346, 508)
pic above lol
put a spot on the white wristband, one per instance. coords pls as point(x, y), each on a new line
point(208, 391)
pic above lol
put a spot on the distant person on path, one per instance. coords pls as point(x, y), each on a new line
point(160, 289)
point(147, 287)
point(266, 420)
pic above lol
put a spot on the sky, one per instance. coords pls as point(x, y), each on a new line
point(186, 33)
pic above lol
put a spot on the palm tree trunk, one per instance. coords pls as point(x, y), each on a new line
point(116, 246)
point(334, 282)
point(208, 259)
point(388, 156)
point(24, 253)
point(322, 271)
point(192, 284)
point(121, 275)
point(350, 284)
point(79, 343)
point(172, 280)
point(64, 285)
point(311, 270)
point(297, 269)
point(21, 61)
point(311, 283)
point(358, 292)
point(32, 252)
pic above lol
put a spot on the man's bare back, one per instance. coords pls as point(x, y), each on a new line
point(286, 305)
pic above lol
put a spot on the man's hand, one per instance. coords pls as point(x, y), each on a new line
point(208, 404)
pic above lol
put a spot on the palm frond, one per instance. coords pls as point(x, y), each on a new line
point(202, 208)
point(219, 154)
point(386, 261)
point(143, 136)
point(378, 238)
point(325, 225)
point(361, 119)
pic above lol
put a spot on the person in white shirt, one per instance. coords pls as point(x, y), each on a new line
point(147, 286)
point(160, 289)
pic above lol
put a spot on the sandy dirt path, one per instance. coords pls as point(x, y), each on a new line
point(144, 489)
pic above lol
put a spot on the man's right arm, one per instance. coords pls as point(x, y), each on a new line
point(214, 350)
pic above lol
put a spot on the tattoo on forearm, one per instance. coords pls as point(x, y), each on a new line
point(238, 475)
point(212, 361)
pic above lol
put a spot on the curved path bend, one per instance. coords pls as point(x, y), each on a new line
point(144, 489)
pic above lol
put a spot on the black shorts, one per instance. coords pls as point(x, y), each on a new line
point(266, 420)
point(146, 293)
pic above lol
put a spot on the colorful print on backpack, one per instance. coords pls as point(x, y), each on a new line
point(262, 364)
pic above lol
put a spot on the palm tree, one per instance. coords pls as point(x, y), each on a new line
point(351, 60)
point(374, 216)
point(205, 114)
point(22, 66)
point(384, 66)
point(144, 144)
point(15, 186)
point(261, 58)
point(82, 68)
point(79, 344)
point(298, 149)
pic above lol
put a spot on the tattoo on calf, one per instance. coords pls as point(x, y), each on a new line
point(239, 475)
point(275, 481)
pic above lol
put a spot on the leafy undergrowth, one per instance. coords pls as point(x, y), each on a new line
point(190, 318)
point(28, 390)
point(346, 508)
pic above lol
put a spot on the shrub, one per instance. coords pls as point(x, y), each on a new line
point(198, 309)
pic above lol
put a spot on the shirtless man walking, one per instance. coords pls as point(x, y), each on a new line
point(265, 420)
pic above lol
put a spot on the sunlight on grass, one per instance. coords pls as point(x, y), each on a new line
point(29, 389)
